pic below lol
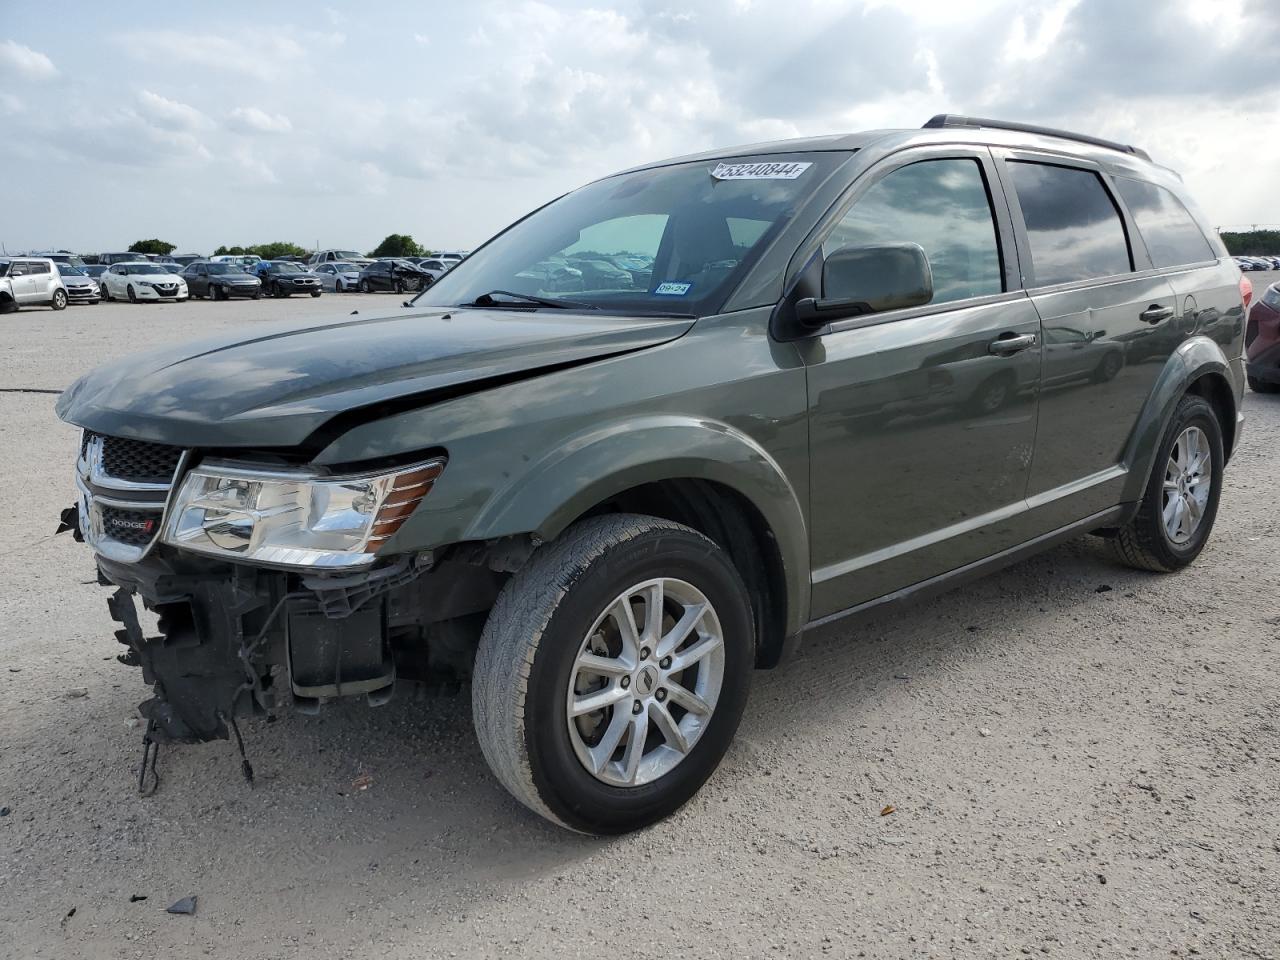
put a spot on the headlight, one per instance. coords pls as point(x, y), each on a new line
point(294, 519)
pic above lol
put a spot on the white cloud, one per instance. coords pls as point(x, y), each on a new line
point(170, 114)
point(421, 39)
point(24, 62)
point(264, 57)
point(254, 120)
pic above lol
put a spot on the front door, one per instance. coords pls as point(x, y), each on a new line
point(922, 420)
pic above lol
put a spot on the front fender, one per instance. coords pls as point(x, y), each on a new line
point(1195, 357)
point(609, 459)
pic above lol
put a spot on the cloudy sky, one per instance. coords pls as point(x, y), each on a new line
point(234, 123)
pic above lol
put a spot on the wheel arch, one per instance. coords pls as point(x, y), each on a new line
point(704, 474)
point(1198, 366)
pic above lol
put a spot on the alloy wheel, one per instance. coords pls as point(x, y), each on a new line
point(1188, 478)
point(645, 682)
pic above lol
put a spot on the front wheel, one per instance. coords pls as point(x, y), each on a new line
point(59, 301)
point(613, 671)
point(133, 297)
point(364, 287)
point(315, 293)
point(1176, 515)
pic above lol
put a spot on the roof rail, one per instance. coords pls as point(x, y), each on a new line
point(953, 120)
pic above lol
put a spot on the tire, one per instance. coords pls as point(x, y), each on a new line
point(399, 287)
point(8, 305)
point(315, 293)
point(133, 297)
point(59, 301)
point(529, 657)
point(257, 294)
point(106, 294)
point(364, 287)
point(1262, 386)
point(1145, 542)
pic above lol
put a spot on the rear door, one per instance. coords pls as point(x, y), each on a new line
point(1109, 325)
point(922, 420)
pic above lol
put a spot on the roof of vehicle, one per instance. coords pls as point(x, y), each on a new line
point(947, 128)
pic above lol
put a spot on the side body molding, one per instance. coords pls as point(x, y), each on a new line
point(605, 461)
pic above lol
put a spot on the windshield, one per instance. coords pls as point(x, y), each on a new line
point(70, 270)
point(347, 267)
point(219, 268)
point(286, 268)
point(346, 254)
point(674, 239)
point(142, 269)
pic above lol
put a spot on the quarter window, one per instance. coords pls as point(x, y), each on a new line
point(1169, 231)
point(1073, 226)
point(943, 206)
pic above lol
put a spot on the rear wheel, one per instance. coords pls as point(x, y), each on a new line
point(59, 301)
point(1262, 386)
point(613, 671)
point(1176, 515)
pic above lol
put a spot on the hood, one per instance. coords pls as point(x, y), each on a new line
point(160, 276)
point(275, 387)
point(76, 280)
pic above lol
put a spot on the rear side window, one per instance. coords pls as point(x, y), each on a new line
point(1170, 232)
point(941, 205)
point(39, 266)
point(1074, 228)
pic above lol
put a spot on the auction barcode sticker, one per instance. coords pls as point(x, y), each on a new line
point(759, 171)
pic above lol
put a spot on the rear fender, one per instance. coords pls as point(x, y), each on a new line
point(1196, 357)
point(597, 465)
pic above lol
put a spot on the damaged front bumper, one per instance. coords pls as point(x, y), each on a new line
point(234, 641)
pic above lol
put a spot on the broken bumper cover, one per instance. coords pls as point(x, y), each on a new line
point(235, 639)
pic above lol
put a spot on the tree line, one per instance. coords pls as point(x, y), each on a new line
point(394, 245)
point(1251, 243)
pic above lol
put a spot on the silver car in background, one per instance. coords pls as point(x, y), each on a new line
point(338, 277)
point(30, 282)
point(81, 288)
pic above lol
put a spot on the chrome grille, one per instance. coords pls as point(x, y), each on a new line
point(124, 489)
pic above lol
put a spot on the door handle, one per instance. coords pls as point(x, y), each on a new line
point(1007, 344)
point(1155, 314)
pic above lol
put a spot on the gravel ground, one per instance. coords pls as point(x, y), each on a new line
point(1082, 759)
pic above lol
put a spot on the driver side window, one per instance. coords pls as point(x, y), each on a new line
point(943, 206)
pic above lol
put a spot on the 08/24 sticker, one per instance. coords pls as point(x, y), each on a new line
point(672, 289)
point(759, 171)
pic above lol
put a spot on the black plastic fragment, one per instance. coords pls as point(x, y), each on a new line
point(186, 906)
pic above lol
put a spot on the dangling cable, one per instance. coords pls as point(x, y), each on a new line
point(246, 768)
point(150, 751)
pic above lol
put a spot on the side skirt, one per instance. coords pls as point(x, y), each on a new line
point(1112, 517)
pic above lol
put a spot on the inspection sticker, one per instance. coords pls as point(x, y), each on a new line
point(759, 171)
point(672, 289)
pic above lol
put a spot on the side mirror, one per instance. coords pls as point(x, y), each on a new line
point(869, 279)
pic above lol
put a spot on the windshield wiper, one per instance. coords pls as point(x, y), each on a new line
point(490, 300)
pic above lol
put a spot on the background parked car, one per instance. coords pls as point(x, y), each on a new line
point(142, 280)
point(94, 271)
point(249, 261)
point(1262, 342)
point(334, 256)
point(81, 288)
point(188, 258)
point(29, 282)
point(282, 279)
point(338, 276)
point(220, 281)
point(397, 275)
point(110, 258)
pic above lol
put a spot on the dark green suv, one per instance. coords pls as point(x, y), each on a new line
point(645, 438)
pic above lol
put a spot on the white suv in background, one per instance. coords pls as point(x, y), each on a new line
point(31, 281)
point(141, 280)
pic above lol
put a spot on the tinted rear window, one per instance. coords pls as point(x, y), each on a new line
point(1073, 226)
point(1171, 234)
